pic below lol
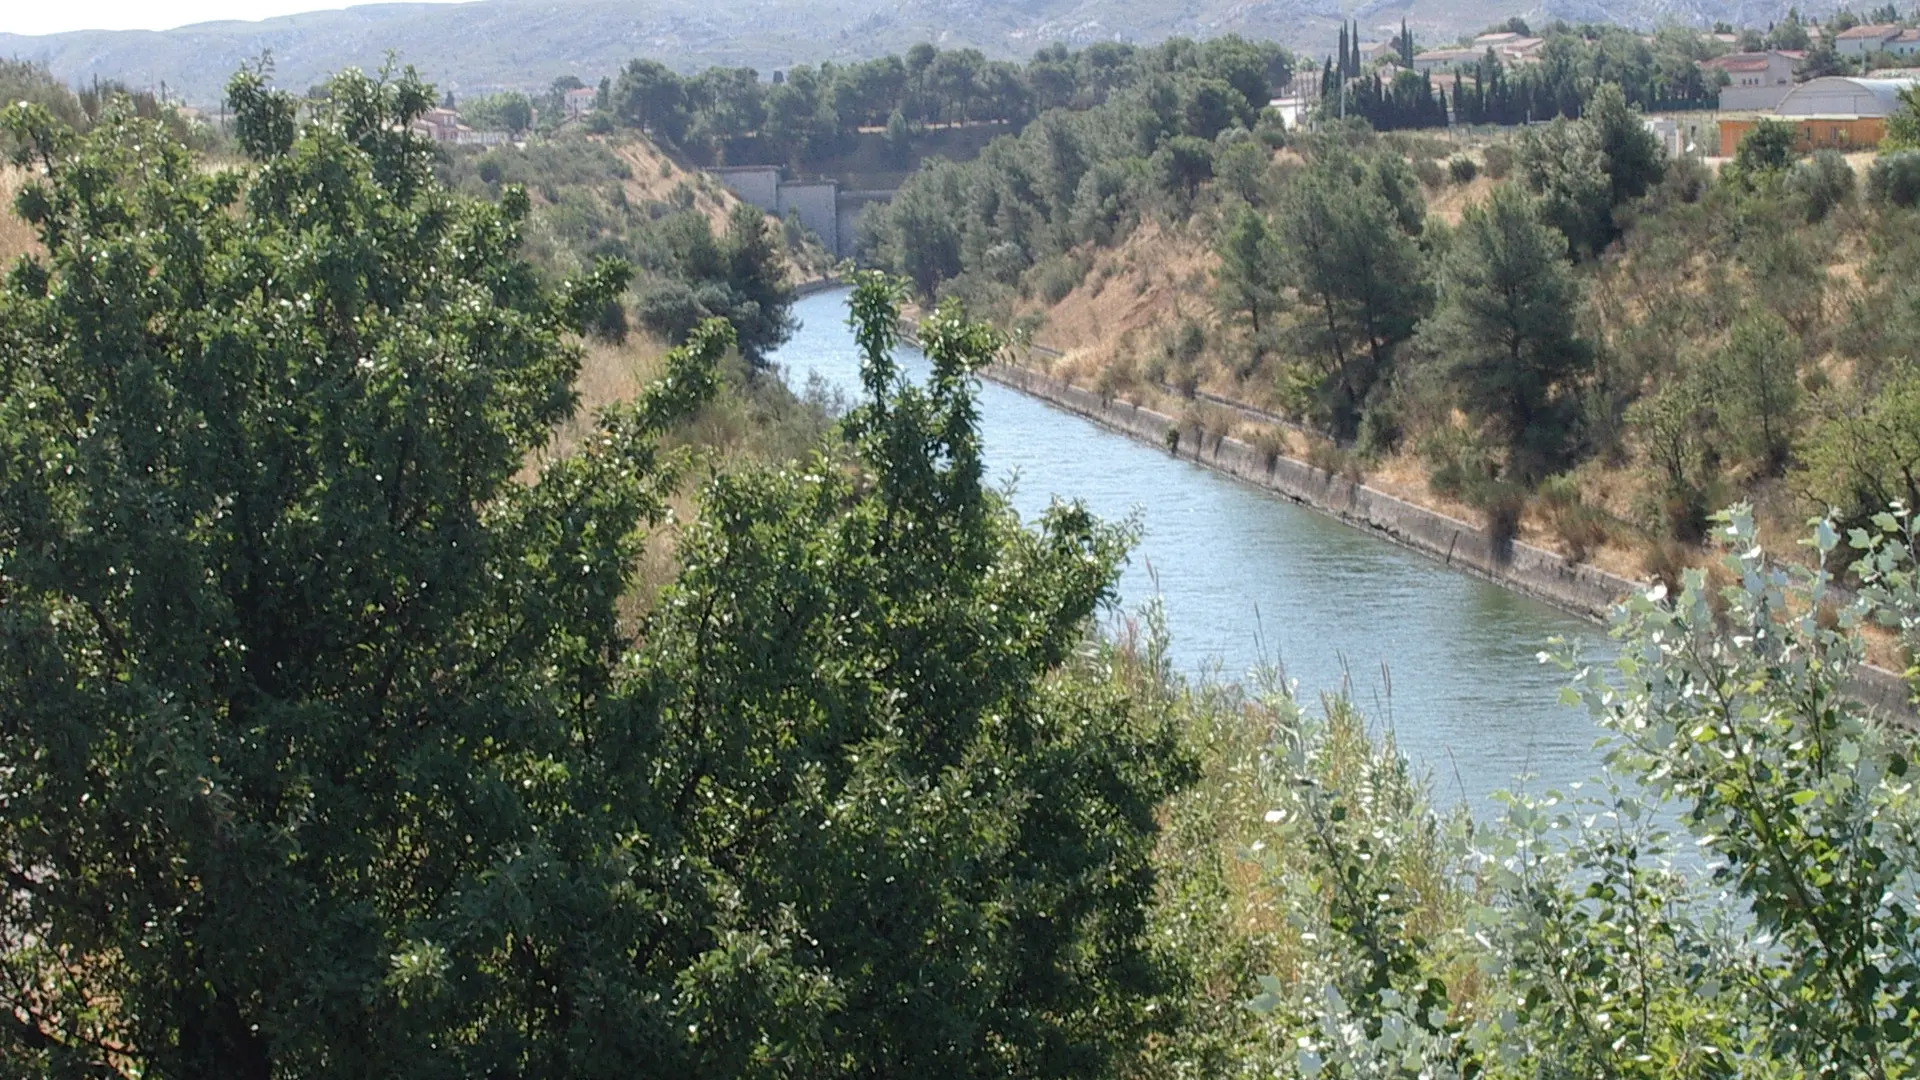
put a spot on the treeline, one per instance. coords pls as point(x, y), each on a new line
point(1076, 177)
point(21, 81)
point(809, 111)
point(1657, 75)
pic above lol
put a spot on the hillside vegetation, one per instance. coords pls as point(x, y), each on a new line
point(1560, 333)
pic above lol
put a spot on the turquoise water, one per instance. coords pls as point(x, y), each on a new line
point(1245, 578)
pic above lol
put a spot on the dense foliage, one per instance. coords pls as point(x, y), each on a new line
point(332, 748)
point(809, 112)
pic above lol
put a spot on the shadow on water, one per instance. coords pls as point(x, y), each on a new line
point(1246, 578)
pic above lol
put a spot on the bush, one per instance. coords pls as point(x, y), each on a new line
point(1580, 527)
point(1895, 178)
point(1822, 182)
point(1499, 159)
point(1055, 278)
point(1430, 173)
point(1462, 170)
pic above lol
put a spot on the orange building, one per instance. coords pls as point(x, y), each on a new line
point(1812, 132)
point(1836, 112)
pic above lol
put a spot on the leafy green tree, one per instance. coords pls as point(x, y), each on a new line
point(649, 96)
point(1359, 276)
point(1634, 160)
point(1863, 453)
point(1180, 166)
point(1903, 124)
point(1674, 427)
point(333, 748)
point(1252, 273)
point(1767, 150)
point(1756, 383)
point(1504, 331)
point(506, 111)
point(1563, 165)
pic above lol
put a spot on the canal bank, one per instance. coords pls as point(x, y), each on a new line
point(1576, 588)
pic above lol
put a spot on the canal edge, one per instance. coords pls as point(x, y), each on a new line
point(1575, 588)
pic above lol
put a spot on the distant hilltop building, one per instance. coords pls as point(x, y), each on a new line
point(1868, 40)
point(442, 125)
point(1510, 48)
point(580, 102)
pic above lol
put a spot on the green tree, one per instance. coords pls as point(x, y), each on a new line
point(1180, 166)
point(1252, 273)
point(333, 749)
point(1756, 380)
point(1359, 275)
point(1863, 453)
point(649, 96)
point(1767, 150)
point(1903, 124)
point(1504, 331)
point(1634, 160)
point(756, 273)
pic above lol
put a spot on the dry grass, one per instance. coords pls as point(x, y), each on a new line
point(16, 236)
point(1451, 201)
point(655, 177)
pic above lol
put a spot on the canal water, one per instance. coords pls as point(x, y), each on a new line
point(1246, 579)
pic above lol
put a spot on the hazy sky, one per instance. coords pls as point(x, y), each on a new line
point(53, 16)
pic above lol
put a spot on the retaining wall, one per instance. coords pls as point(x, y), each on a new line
point(1574, 587)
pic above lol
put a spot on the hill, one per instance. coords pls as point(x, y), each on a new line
point(524, 44)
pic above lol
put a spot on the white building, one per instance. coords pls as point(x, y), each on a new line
point(1867, 40)
point(1844, 96)
point(1756, 80)
point(581, 101)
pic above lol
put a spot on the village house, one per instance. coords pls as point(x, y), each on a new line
point(442, 125)
point(579, 102)
point(1755, 80)
point(1862, 41)
point(1446, 59)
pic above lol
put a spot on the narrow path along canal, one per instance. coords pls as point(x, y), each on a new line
point(1244, 577)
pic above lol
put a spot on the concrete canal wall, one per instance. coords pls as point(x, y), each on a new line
point(1546, 575)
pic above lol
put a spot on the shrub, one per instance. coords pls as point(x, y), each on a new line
point(1822, 182)
point(1430, 173)
point(1580, 527)
point(1055, 278)
point(1895, 178)
point(1499, 161)
point(1462, 170)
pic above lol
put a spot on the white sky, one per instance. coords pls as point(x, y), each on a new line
point(52, 16)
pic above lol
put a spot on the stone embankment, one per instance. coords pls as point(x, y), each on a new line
point(1575, 587)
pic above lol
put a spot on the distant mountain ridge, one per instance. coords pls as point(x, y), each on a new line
point(525, 44)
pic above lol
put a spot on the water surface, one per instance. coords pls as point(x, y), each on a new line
point(1246, 578)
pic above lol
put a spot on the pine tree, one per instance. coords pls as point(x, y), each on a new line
point(1504, 331)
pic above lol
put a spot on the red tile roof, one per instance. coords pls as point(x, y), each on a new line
point(1866, 33)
